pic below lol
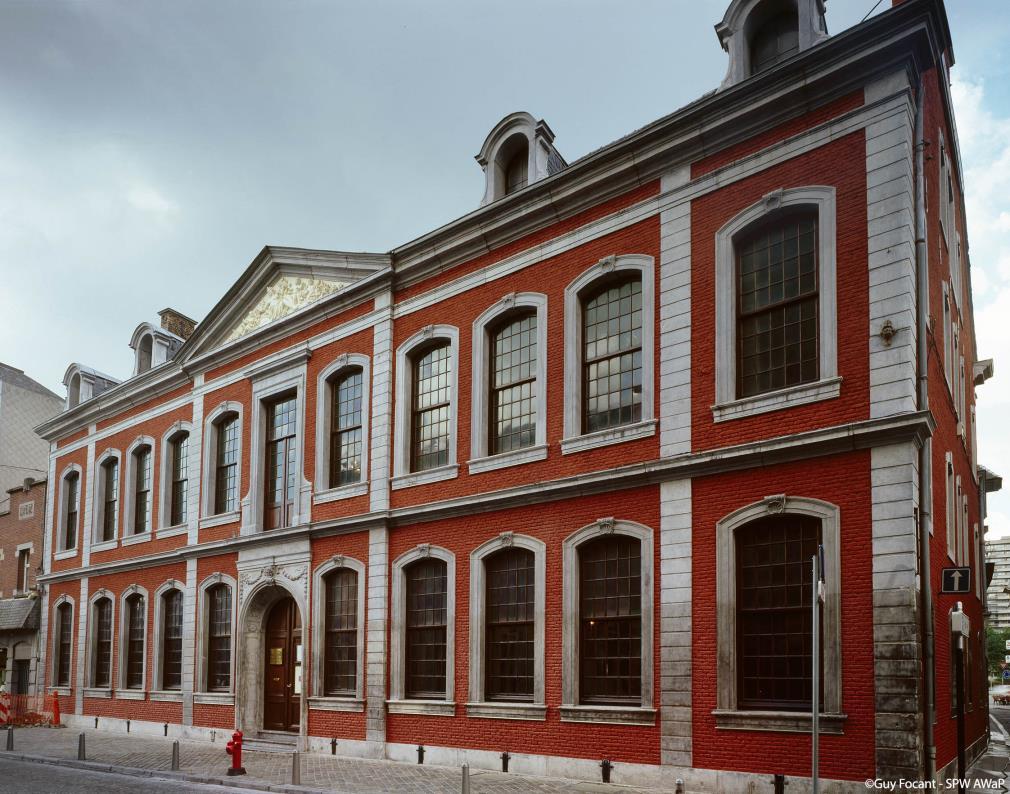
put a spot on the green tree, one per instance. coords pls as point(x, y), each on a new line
point(995, 647)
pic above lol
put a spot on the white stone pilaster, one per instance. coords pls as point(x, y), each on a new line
point(382, 408)
point(189, 630)
point(378, 620)
point(82, 645)
point(675, 321)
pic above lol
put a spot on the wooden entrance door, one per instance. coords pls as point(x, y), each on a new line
point(282, 681)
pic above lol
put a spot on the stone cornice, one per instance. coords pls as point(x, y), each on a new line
point(915, 427)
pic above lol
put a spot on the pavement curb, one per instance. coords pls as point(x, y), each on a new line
point(161, 774)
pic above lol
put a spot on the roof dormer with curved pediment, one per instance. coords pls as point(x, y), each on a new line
point(152, 346)
point(83, 383)
point(517, 152)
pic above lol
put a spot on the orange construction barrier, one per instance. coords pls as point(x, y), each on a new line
point(55, 707)
point(5, 707)
point(28, 709)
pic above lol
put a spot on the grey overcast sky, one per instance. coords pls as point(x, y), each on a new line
point(148, 150)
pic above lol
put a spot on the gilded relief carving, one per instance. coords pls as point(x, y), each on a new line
point(284, 296)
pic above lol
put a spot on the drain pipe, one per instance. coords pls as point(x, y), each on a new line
point(925, 451)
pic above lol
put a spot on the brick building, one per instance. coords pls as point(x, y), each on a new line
point(22, 527)
point(547, 480)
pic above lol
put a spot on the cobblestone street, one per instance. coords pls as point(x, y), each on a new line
point(333, 773)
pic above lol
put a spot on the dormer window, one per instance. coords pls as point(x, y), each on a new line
point(774, 41)
point(517, 168)
point(74, 392)
point(153, 346)
point(144, 355)
point(518, 152)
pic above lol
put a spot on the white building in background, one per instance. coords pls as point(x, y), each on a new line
point(997, 552)
point(24, 404)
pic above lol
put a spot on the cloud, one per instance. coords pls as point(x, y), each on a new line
point(148, 200)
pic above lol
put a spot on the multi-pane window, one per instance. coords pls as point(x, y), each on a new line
point(508, 628)
point(430, 408)
point(610, 620)
point(110, 498)
point(345, 429)
point(226, 474)
point(142, 490)
point(178, 452)
point(65, 627)
point(24, 569)
point(171, 641)
point(776, 40)
point(777, 306)
point(219, 637)
point(516, 170)
point(514, 384)
point(135, 627)
point(103, 643)
point(72, 487)
point(612, 363)
point(279, 493)
point(339, 677)
point(426, 629)
point(773, 619)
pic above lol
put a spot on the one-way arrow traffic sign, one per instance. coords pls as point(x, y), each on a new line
point(956, 580)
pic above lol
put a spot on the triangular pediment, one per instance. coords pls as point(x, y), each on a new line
point(285, 295)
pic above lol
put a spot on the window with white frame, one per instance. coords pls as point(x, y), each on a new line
point(280, 488)
point(215, 651)
point(107, 503)
point(101, 642)
point(132, 639)
point(222, 454)
point(63, 643)
point(339, 588)
point(169, 660)
point(948, 338)
point(609, 350)
point(70, 505)
point(974, 445)
point(951, 504)
point(178, 478)
point(776, 314)
point(946, 185)
point(965, 531)
point(507, 604)
point(763, 582)
point(962, 388)
point(138, 483)
point(508, 400)
point(958, 522)
point(426, 406)
point(342, 400)
point(608, 623)
point(423, 634)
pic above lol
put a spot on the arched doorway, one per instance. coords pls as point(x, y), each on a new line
point(283, 667)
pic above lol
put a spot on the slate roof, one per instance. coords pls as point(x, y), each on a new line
point(19, 614)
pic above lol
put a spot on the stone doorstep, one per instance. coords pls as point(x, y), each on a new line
point(164, 775)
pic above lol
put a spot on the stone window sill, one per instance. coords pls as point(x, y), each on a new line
point(505, 459)
point(215, 698)
point(130, 694)
point(105, 545)
point(337, 704)
point(780, 721)
point(507, 711)
point(94, 692)
point(140, 537)
point(340, 492)
point(66, 554)
point(449, 472)
point(438, 708)
point(604, 438)
point(171, 532)
point(621, 715)
point(220, 519)
point(171, 695)
point(62, 690)
point(805, 393)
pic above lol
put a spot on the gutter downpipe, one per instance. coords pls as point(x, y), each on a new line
point(925, 450)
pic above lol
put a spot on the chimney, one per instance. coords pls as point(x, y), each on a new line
point(29, 482)
point(177, 323)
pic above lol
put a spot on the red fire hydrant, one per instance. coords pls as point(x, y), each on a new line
point(234, 749)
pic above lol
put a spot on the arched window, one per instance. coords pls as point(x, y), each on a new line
point(612, 354)
point(64, 643)
point(110, 498)
point(346, 416)
point(101, 676)
point(226, 467)
point(178, 461)
point(516, 168)
point(513, 382)
point(610, 621)
point(74, 392)
point(144, 353)
point(426, 626)
point(777, 305)
point(171, 644)
point(142, 489)
point(431, 407)
point(281, 480)
point(71, 502)
point(134, 634)
point(509, 625)
point(775, 39)
point(218, 638)
point(341, 650)
point(773, 619)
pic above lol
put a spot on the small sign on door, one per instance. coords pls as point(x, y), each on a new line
point(276, 656)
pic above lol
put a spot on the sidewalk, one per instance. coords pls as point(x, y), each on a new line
point(994, 764)
point(202, 762)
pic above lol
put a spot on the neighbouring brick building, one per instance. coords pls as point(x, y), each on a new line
point(548, 479)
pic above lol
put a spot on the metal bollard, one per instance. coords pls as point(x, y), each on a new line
point(175, 755)
point(296, 769)
point(505, 761)
point(605, 769)
point(779, 782)
point(127, 726)
point(420, 754)
point(166, 729)
point(96, 723)
point(466, 779)
point(333, 746)
point(81, 755)
point(10, 737)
